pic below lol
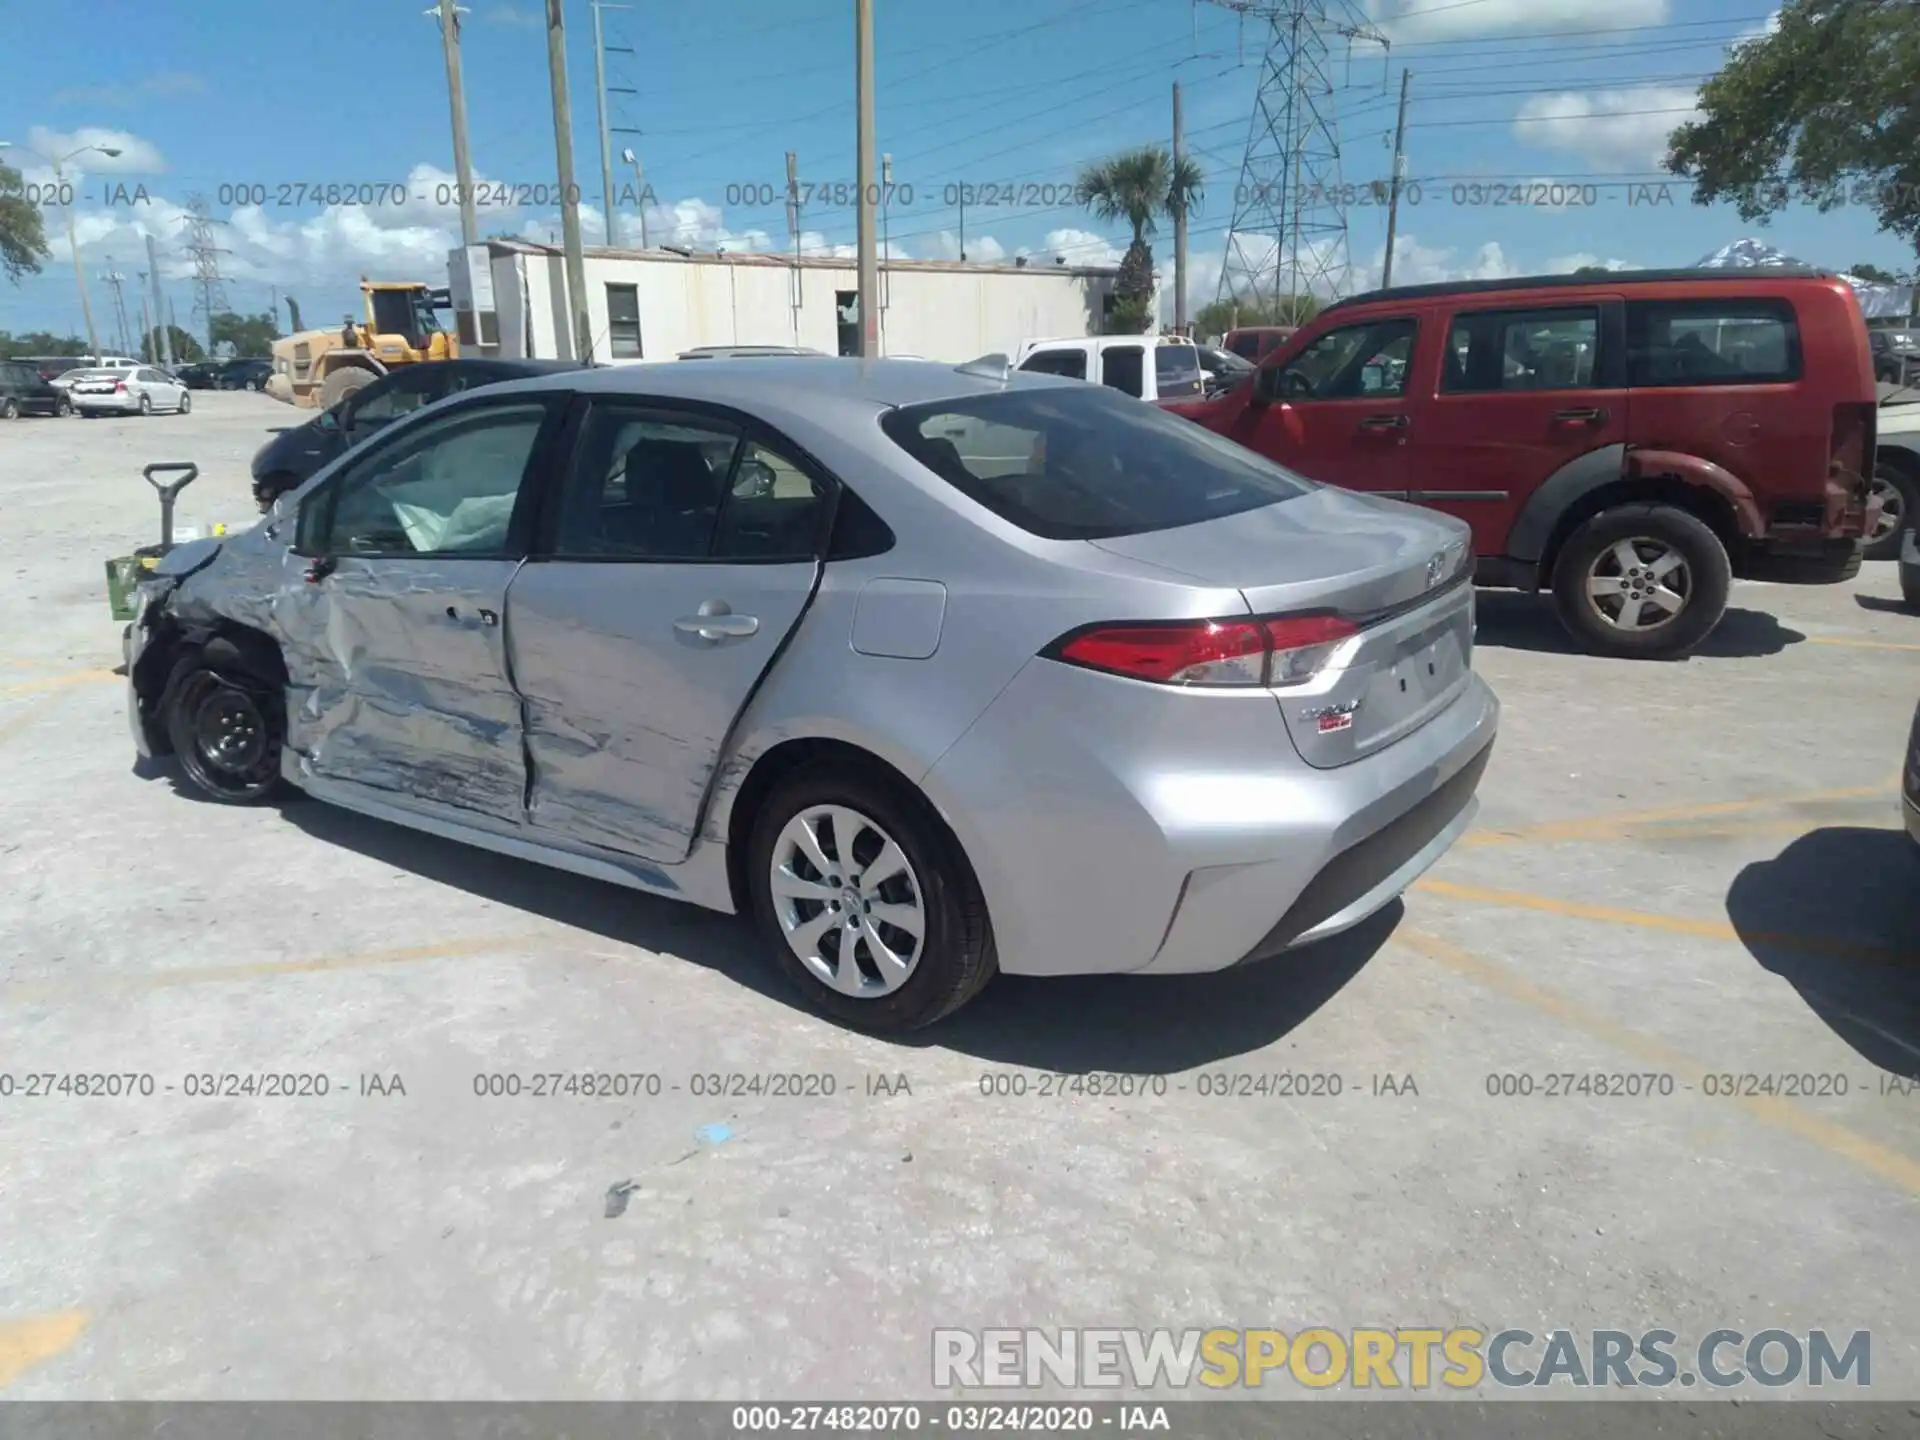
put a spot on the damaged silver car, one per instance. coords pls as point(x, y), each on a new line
point(936, 671)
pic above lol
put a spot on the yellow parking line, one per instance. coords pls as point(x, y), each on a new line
point(33, 993)
point(1888, 1164)
point(1671, 924)
point(25, 1343)
point(1595, 826)
point(57, 682)
point(1860, 644)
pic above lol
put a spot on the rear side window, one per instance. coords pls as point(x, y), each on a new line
point(1086, 464)
point(1711, 342)
point(1123, 367)
point(1522, 350)
point(645, 487)
point(1247, 347)
point(1176, 371)
point(1070, 363)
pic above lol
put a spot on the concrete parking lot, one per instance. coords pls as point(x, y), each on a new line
point(1687, 871)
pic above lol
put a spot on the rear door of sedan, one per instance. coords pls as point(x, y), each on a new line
point(678, 552)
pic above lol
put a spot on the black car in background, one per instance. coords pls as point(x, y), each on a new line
point(286, 460)
point(24, 391)
point(244, 375)
point(1896, 353)
point(200, 374)
point(48, 366)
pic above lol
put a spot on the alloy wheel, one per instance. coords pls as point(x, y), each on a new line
point(1639, 584)
point(1893, 508)
point(848, 901)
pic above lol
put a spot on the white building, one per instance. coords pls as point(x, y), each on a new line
point(655, 304)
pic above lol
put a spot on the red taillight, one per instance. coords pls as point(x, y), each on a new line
point(1281, 651)
point(120, 387)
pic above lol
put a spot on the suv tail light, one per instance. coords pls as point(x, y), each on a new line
point(1281, 650)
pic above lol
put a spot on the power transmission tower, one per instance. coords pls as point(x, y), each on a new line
point(210, 291)
point(114, 279)
point(1289, 232)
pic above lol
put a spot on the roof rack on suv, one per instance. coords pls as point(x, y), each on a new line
point(1613, 277)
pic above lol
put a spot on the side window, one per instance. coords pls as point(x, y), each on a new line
point(1176, 371)
point(1521, 350)
point(645, 486)
point(446, 489)
point(1363, 361)
point(1123, 367)
point(1247, 347)
point(1070, 363)
point(623, 321)
point(773, 510)
point(403, 395)
point(1711, 342)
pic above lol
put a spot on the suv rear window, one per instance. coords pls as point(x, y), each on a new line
point(1073, 464)
point(1711, 342)
point(1176, 371)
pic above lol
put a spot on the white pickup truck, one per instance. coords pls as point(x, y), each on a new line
point(1122, 362)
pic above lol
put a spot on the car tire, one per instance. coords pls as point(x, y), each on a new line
point(253, 385)
point(62, 407)
point(1898, 490)
point(146, 405)
point(950, 961)
point(228, 729)
point(9, 409)
point(186, 403)
point(1592, 572)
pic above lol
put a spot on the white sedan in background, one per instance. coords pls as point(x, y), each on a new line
point(142, 390)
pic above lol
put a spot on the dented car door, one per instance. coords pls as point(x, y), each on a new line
point(680, 553)
point(395, 627)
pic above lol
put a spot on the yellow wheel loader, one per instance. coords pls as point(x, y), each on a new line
point(317, 369)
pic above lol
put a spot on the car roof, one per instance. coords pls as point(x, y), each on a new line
point(1761, 277)
point(772, 383)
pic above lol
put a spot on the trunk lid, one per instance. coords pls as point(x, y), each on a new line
point(1399, 573)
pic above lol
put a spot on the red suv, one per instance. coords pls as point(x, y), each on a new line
point(1630, 441)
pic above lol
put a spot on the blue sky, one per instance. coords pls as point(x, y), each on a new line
point(203, 96)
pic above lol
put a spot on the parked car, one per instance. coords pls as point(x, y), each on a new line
point(200, 374)
point(139, 391)
point(745, 352)
point(1092, 690)
point(66, 376)
point(1628, 442)
point(1120, 362)
point(1256, 342)
point(1222, 368)
point(1896, 472)
point(244, 375)
point(291, 456)
point(51, 367)
point(23, 392)
point(1896, 354)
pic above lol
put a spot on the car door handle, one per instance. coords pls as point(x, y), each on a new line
point(1592, 416)
point(1384, 422)
point(717, 625)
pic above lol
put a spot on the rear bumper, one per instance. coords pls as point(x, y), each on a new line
point(110, 404)
point(1801, 559)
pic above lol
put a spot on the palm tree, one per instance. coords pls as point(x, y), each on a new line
point(1139, 186)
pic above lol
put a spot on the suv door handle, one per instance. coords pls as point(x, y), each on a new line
point(716, 622)
point(1384, 422)
point(1593, 416)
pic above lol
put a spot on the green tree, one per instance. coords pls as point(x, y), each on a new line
point(185, 347)
point(1824, 109)
point(1141, 187)
point(250, 334)
point(1224, 315)
point(40, 342)
point(1873, 274)
point(23, 239)
point(1593, 270)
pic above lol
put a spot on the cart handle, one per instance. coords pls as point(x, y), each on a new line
point(168, 493)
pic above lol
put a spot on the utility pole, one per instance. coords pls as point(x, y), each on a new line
point(166, 332)
point(600, 97)
point(1393, 185)
point(640, 190)
point(886, 244)
point(150, 345)
point(963, 222)
point(113, 279)
point(796, 293)
point(1179, 229)
point(449, 17)
point(576, 261)
point(864, 177)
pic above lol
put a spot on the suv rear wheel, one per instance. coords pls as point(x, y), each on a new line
point(1899, 498)
point(1646, 582)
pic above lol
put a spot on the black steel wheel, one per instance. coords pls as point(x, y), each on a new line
point(228, 732)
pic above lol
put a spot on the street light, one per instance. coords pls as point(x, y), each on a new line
point(60, 177)
point(641, 200)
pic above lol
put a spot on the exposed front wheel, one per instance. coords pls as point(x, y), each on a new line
point(869, 904)
point(1899, 497)
point(227, 731)
point(1645, 582)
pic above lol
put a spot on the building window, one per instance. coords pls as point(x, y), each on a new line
point(623, 321)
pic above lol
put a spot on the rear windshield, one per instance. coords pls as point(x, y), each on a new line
point(1176, 371)
point(1086, 463)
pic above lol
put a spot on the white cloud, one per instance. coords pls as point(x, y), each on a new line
point(1407, 20)
point(136, 157)
point(1078, 247)
point(525, 17)
point(1580, 259)
point(1417, 264)
point(1623, 130)
point(165, 85)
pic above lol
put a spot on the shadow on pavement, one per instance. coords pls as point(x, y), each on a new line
point(1837, 916)
point(1095, 1023)
point(1510, 620)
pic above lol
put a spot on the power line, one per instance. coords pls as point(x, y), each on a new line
point(210, 293)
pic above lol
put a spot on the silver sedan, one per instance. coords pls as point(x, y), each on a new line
point(141, 390)
point(936, 671)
